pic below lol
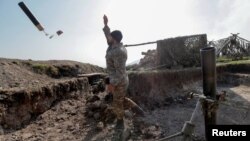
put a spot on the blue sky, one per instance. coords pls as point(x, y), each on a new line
point(19, 38)
point(139, 20)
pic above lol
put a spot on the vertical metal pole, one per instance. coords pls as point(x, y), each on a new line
point(208, 63)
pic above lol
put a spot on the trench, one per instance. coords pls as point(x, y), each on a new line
point(20, 106)
point(163, 94)
point(151, 88)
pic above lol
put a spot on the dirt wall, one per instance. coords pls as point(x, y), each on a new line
point(156, 87)
point(18, 107)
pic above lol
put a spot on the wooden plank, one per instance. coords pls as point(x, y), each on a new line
point(92, 74)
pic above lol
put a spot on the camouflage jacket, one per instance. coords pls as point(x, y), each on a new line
point(116, 57)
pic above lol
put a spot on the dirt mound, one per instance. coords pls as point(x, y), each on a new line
point(58, 69)
point(29, 88)
point(29, 74)
point(18, 107)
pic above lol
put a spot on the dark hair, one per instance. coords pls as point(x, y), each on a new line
point(117, 35)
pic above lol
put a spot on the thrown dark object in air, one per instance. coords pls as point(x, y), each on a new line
point(35, 21)
point(30, 16)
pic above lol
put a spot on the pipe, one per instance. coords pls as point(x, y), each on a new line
point(30, 16)
point(208, 63)
point(208, 71)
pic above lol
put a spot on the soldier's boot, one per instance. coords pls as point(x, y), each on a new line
point(118, 135)
point(119, 129)
point(119, 124)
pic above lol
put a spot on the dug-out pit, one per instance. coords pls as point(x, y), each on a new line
point(163, 95)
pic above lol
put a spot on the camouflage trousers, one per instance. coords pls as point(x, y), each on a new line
point(120, 102)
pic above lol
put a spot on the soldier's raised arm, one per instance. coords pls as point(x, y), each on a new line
point(106, 29)
point(105, 20)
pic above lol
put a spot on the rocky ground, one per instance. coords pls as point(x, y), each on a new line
point(74, 118)
point(67, 119)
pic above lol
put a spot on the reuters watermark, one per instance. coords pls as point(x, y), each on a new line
point(231, 133)
point(241, 132)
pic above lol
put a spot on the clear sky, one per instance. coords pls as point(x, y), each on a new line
point(139, 20)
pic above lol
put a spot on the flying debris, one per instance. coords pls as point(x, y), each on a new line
point(51, 36)
point(59, 32)
point(35, 21)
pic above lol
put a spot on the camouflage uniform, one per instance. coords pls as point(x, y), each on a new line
point(116, 57)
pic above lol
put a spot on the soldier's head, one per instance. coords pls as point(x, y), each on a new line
point(116, 36)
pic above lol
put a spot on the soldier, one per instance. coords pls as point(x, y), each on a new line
point(116, 57)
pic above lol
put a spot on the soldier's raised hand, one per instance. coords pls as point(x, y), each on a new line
point(105, 20)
